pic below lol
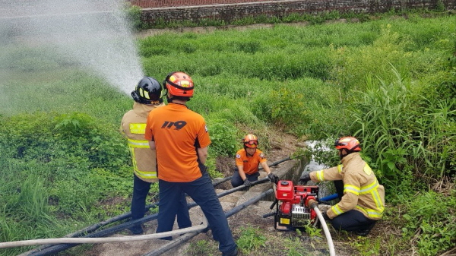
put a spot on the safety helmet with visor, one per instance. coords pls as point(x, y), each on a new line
point(351, 144)
point(148, 91)
point(250, 141)
point(179, 84)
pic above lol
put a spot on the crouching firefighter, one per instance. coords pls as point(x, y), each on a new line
point(362, 198)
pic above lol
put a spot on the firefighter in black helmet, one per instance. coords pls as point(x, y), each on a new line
point(147, 96)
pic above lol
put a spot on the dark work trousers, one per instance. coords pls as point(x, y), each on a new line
point(352, 220)
point(138, 205)
point(202, 192)
point(237, 181)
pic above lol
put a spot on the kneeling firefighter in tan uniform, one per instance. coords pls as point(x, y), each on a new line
point(362, 198)
point(147, 96)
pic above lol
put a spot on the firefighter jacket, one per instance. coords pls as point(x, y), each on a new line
point(362, 192)
point(143, 158)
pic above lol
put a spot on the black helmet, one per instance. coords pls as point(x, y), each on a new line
point(148, 91)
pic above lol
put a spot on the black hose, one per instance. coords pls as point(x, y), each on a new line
point(61, 247)
point(229, 213)
point(221, 181)
point(268, 214)
point(247, 203)
point(88, 231)
point(172, 244)
point(277, 162)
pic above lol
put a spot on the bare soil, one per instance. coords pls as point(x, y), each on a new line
point(276, 243)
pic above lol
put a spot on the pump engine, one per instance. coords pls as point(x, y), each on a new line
point(292, 205)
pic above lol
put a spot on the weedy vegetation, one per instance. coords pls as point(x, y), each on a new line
point(391, 82)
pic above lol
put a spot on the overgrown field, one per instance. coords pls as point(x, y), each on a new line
point(390, 82)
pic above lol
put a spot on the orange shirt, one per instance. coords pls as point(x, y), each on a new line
point(177, 132)
point(250, 163)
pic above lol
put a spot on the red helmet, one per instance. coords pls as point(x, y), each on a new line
point(250, 141)
point(179, 84)
point(351, 144)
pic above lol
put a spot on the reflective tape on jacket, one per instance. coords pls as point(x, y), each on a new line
point(138, 143)
point(352, 189)
point(145, 175)
point(371, 213)
point(137, 128)
point(339, 168)
point(372, 189)
point(336, 209)
point(320, 175)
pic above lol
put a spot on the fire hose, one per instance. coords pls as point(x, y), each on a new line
point(188, 236)
point(314, 204)
point(74, 239)
point(94, 227)
point(77, 240)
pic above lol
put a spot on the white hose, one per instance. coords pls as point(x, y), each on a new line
point(82, 240)
point(326, 230)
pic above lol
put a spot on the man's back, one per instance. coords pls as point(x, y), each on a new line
point(177, 133)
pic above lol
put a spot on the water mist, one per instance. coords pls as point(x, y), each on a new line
point(94, 34)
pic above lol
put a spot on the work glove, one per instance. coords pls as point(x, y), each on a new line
point(273, 178)
point(305, 177)
point(325, 216)
point(247, 183)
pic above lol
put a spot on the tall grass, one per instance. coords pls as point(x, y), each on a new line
point(384, 81)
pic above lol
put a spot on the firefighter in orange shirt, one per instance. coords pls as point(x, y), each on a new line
point(181, 139)
point(147, 96)
point(247, 161)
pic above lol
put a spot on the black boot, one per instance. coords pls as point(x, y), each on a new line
point(365, 231)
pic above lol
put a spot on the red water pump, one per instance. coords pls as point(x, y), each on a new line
point(292, 205)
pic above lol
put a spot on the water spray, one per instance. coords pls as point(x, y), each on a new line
point(95, 34)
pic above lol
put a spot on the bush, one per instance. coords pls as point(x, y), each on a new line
point(64, 149)
point(223, 138)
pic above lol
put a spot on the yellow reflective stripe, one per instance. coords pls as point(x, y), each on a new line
point(369, 188)
point(138, 143)
point(146, 175)
point(138, 128)
point(377, 200)
point(320, 176)
point(336, 209)
point(370, 212)
point(352, 189)
point(339, 168)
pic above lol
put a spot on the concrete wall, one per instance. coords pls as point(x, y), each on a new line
point(279, 8)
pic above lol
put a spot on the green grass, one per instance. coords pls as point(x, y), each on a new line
point(389, 81)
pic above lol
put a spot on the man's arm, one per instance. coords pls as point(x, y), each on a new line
point(265, 167)
point(152, 144)
point(202, 154)
point(241, 172)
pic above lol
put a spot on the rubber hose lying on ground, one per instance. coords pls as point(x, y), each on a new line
point(314, 205)
point(188, 236)
point(56, 247)
point(200, 227)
